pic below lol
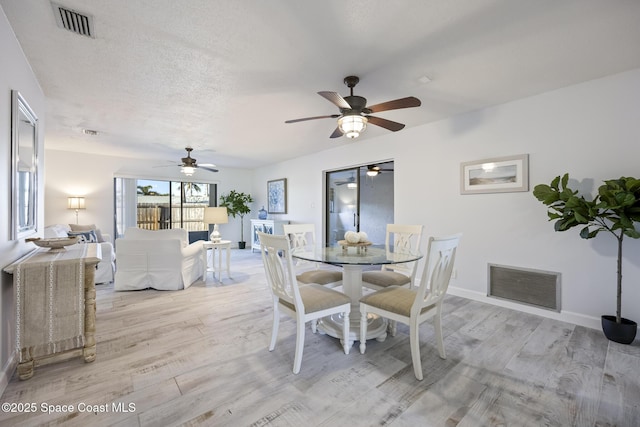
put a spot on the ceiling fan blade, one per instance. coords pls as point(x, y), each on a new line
point(210, 169)
point(166, 166)
point(396, 104)
point(333, 116)
point(336, 133)
point(336, 99)
point(387, 124)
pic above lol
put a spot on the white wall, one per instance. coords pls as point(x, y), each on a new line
point(15, 74)
point(88, 175)
point(589, 130)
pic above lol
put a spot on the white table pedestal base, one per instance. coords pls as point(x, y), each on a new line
point(332, 325)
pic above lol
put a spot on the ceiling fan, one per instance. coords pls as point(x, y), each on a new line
point(374, 170)
point(354, 114)
point(351, 182)
point(189, 165)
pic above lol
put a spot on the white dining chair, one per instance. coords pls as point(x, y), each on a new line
point(304, 235)
point(399, 238)
point(303, 303)
point(415, 306)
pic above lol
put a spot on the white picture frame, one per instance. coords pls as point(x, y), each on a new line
point(495, 175)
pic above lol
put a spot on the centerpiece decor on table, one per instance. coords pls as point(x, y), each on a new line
point(357, 239)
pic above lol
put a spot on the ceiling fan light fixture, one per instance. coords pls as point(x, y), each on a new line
point(188, 170)
point(372, 172)
point(352, 125)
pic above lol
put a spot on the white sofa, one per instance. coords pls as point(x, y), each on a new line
point(161, 259)
point(106, 267)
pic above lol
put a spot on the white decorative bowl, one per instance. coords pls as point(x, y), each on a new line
point(54, 243)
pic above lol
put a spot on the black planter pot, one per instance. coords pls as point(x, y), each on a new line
point(242, 245)
point(623, 332)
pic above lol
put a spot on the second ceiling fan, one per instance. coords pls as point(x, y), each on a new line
point(189, 165)
point(355, 114)
point(374, 170)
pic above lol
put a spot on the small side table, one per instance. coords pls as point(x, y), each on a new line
point(223, 244)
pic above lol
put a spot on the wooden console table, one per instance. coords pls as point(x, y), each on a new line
point(55, 300)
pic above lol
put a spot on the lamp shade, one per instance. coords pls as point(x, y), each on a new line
point(75, 202)
point(215, 216)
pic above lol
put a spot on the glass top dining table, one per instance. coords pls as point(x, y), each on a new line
point(353, 260)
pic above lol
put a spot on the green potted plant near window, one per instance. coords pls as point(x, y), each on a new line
point(237, 204)
point(616, 210)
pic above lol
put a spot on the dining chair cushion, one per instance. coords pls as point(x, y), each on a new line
point(385, 279)
point(317, 298)
point(321, 277)
point(394, 299)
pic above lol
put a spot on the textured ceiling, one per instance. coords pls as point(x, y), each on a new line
point(223, 76)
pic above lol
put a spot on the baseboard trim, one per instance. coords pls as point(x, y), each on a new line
point(564, 316)
point(7, 372)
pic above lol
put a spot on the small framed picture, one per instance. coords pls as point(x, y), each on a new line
point(277, 196)
point(497, 175)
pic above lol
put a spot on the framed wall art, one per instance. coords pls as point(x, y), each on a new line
point(277, 196)
point(497, 175)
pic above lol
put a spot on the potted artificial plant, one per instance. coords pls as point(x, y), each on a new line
point(237, 204)
point(615, 210)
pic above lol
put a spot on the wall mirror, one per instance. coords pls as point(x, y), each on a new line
point(24, 168)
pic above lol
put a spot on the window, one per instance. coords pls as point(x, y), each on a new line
point(157, 205)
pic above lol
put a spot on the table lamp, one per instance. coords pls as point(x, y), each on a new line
point(75, 203)
point(215, 216)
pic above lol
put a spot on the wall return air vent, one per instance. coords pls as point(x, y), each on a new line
point(74, 21)
point(526, 286)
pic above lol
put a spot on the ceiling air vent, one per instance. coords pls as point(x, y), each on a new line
point(74, 21)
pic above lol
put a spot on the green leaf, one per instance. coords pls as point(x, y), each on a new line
point(551, 198)
point(631, 232)
point(565, 180)
point(580, 218)
point(565, 223)
point(542, 191)
point(625, 221)
point(625, 199)
point(632, 184)
point(573, 202)
point(566, 194)
point(554, 183)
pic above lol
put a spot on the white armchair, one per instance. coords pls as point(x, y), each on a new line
point(106, 267)
point(161, 259)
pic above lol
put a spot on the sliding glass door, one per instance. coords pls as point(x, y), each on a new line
point(359, 199)
point(343, 208)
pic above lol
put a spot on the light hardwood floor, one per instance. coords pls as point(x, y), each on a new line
point(199, 357)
